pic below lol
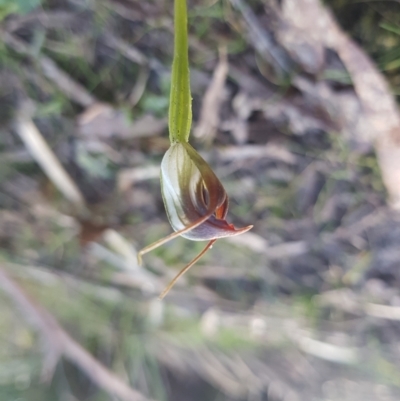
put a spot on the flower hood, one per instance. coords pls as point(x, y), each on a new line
point(195, 200)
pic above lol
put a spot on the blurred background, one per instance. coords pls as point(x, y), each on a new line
point(294, 108)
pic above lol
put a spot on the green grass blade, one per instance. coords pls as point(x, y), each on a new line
point(391, 28)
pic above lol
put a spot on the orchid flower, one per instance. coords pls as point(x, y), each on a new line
point(195, 200)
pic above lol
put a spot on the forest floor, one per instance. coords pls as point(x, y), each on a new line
point(305, 306)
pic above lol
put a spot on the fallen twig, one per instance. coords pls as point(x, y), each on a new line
point(47, 160)
point(264, 42)
point(209, 114)
point(346, 300)
point(383, 311)
point(328, 352)
point(129, 176)
point(270, 151)
point(140, 86)
point(102, 121)
point(129, 51)
point(258, 244)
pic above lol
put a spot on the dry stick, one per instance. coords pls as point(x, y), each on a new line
point(388, 312)
point(263, 40)
point(140, 86)
point(64, 345)
point(127, 177)
point(328, 352)
point(209, 114)
point(129, 51)
point(381, 109)
point(47, 160)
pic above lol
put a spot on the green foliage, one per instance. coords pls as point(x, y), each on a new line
point(8, 7)
point(390, 27)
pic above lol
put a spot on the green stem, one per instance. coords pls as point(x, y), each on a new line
point(180, 107)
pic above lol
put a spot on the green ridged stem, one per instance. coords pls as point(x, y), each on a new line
point(180, 105)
